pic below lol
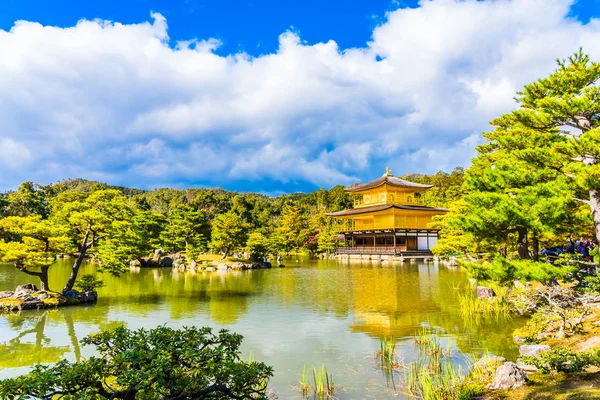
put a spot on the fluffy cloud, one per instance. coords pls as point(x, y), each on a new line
point(122, 103)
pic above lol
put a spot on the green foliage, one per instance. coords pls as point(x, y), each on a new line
point(29, 200)
point(447, 188)
point(89, 282)
point(563, 360)
point(186, 230)
point(293, 228)
point(162, 363)
point(592, 284)
point(258, 245)
point(504, 270)
point(229, 233)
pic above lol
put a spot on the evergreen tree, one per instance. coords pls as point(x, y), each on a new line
point(229, 233)
point(558, 128)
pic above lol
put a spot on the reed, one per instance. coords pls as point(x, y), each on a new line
point(322, 385)
point(304, 382)
point(323, 382)
point(433, 376)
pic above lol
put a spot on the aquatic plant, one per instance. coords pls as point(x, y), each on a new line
point(323, 382)
point(387, 354)
point(304, 382)
point(433, 376)
point(322, 386)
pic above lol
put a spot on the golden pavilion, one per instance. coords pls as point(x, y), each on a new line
point(389, 217)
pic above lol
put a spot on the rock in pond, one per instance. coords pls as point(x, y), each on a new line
point(210, 269)
point(5, 295)
point(223, 267)
point(24, 290)
point(484, 292)
point(533, 349)
point(508, 376)
point(238, 265)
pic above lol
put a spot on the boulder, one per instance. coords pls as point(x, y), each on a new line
point(42, 295)
point(508, 376)
point(88, 297)
point(32, 304)
point(237, 265)
point(526, 367)
point(518, 339)
point(518, 284)
point(158, 253)
point(135, 263)
point(533, 350)
point(489, 361)
point(223, 267)
point(484, 292)
point(71, 294)
point(193, 266)
point(4, 295)
point(281, 266)
point(210, 269)
point(166, 262)
point(266, 264)
point(24, 290)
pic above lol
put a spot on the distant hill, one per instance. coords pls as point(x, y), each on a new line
point(84, 185)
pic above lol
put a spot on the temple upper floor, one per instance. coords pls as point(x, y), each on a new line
point(387, 190)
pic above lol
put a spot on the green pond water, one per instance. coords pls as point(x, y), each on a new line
point(312, 312)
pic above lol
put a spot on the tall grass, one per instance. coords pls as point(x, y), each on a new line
point(322, 385)
point(474, 309)
point(433, 376)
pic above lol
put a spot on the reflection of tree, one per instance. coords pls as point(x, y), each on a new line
point(17, 353)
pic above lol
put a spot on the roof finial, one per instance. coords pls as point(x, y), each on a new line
point(388, 171)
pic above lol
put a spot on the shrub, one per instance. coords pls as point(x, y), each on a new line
point(504, 270)
point(89, 282)
point(161, 363)
point(563, 360)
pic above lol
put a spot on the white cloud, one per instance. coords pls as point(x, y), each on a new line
point(121, 103)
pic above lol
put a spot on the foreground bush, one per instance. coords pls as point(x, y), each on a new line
point(162, 363)
point(563, 360)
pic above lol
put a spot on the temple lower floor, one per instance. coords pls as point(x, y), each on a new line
point(392, 241)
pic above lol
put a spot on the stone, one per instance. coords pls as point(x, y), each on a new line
point(223, 267)
point(237, 265)
point(134, 263)
point(71, 294)
point(210, 269)
point(32, 304)
point(7, 294)
point(518, 339)
point(158, 253)
point(526, 367)
point(166, 262)
point(42, 295)
point(533, 350)
point(267, 264)
point(24, 290)
point(193, 266)
point(488, 361)
point(281, 266)
point(484, 292)
point(88, 296)
point(518, 285)
point(508, 376)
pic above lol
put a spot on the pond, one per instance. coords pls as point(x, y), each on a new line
point(312, 312)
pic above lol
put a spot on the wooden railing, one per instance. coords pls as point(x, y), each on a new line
point(381, 226)
point(369, 250)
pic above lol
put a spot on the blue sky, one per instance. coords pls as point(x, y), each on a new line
point(262, 95)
